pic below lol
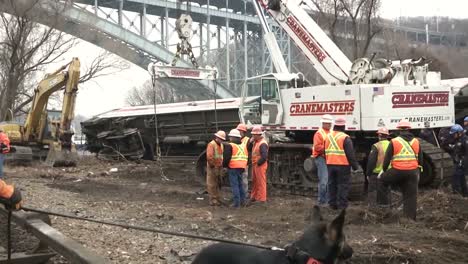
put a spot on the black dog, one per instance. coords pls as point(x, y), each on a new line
point(321, 243)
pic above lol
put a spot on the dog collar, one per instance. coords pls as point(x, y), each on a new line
point(313, 261)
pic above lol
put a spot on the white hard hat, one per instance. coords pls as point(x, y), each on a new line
point(327, 119)
point(234, 133)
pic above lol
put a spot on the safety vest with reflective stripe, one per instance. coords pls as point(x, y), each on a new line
point(239, 156)
point(334, 148)
point(217, 153)
point(245, 141)
point(6, 191)
point(381, 147)
point(405, 154)
point(256, 154)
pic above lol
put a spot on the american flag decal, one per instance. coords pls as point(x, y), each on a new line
point(378, 91)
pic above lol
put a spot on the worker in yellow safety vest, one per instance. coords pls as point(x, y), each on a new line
point(247, 142)
point(377, 192)
point(235, 160)
point(214, 167)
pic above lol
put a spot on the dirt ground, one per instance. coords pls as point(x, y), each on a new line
point(137, 194)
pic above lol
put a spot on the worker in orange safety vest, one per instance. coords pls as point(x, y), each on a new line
point(214, 167)
point(245, 140)
point(378, 194)
point(10, 196)
point(340, 157)
point(405, 157)
point(259, 166)
point(235, 159)
point(4, 149)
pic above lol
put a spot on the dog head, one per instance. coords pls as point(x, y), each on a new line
point(322, 242)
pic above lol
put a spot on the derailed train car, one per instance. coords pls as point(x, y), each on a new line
point(184, 129)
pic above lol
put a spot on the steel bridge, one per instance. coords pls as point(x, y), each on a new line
point(227, 33)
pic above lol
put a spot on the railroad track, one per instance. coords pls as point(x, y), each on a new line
point(52, 242)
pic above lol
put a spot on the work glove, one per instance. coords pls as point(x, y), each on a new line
point(380, 174)
point(14, 202)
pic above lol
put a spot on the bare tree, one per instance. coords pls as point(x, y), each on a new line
point(26, 48)
point(143, 95)
point(362, 15)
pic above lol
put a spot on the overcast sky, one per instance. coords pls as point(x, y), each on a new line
point(109, 92)
point(450, 8)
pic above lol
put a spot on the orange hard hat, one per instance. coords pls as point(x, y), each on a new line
point(383, 131)
point(221, 134)
point(403, 124)
point(242, 127)
point(340, 121)
point(257, 130)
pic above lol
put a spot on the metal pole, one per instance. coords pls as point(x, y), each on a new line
point(96, 5)
point(9, 236)
point(143, 21)
point(246, 55)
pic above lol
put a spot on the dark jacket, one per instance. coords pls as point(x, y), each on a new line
point(227, 154)
point(406, 135)
point(460, 152)
point(445, 139)
point(372, 160)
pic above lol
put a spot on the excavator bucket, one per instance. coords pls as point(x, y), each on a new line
point(60, 157)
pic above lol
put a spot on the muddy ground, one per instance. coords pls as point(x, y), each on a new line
point(137, 194)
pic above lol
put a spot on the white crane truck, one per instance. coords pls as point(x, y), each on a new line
point(368, 94)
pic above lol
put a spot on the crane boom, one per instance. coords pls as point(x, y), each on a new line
point(270, 41)
point(329, 61)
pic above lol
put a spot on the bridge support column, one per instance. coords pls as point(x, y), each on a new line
point(166, 21)
point(163, 32)
point(208, 32)
point(143, 21)
point(120, 12)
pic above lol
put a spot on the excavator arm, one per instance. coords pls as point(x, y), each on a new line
point(37, 116)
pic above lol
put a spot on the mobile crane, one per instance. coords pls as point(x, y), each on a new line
point(39, 135)
point(367, 93)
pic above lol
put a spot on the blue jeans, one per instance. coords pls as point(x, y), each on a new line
point(235, 179)
point(2, 158)
point(322, 173)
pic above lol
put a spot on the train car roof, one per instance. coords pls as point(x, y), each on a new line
point(193, 106)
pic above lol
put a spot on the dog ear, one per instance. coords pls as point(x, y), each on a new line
point(314, 215)
point(335, 228)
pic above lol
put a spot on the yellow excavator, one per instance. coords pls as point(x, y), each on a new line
point(41, 137)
